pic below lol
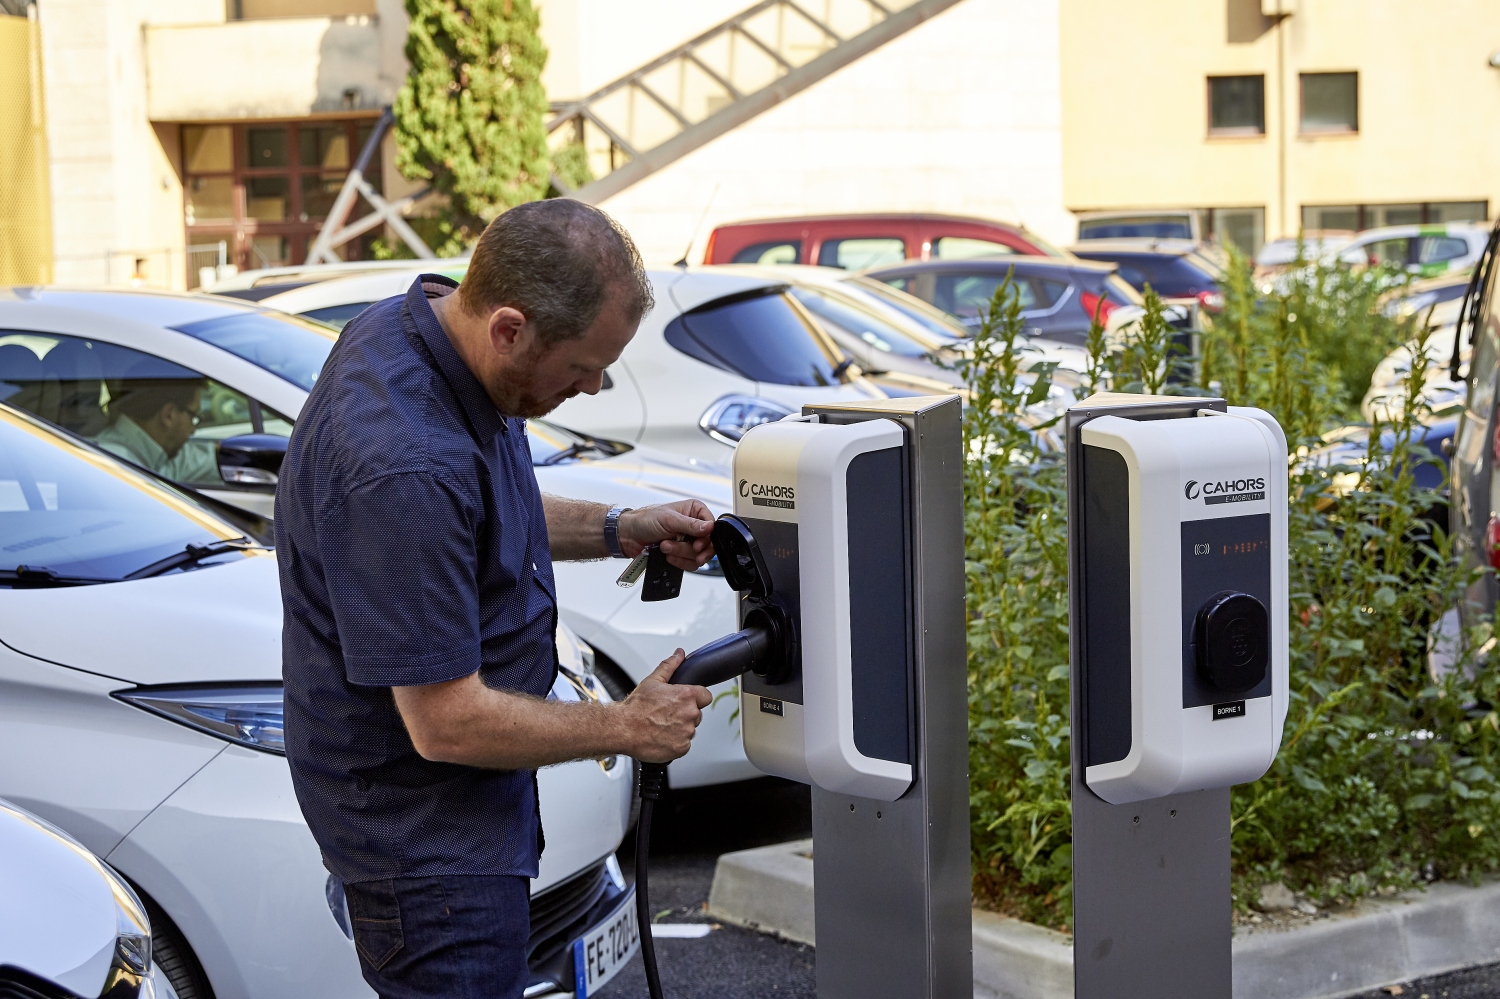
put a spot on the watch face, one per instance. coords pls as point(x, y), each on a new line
point(1233, 641)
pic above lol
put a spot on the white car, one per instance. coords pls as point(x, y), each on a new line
point(723, 351)
point(1428, 250)
point(63, 352)
point(1444, 394)
point(141, 711)
point(69, 925)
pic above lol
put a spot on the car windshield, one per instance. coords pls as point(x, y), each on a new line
point(70, 513)
point(863, 324)
point(1137, 227)
point(284, 345)
point(763, 336)
point(934, 320)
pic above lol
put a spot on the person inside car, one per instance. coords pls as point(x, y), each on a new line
point(151, 423)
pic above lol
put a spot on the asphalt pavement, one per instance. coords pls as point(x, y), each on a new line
point(692, 827)
point(1476, 983)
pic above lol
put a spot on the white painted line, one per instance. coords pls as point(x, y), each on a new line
point(680, 931)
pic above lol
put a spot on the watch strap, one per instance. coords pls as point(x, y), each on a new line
point(612, 530)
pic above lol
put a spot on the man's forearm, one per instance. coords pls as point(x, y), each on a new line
point(503, 730)
point(575, 528)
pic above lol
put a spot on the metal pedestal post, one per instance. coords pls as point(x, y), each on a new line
point(1151, 904)
point(892, 878)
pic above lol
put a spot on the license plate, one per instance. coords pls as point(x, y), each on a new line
point(600, 953)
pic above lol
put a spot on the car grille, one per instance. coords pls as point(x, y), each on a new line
point(559, 916)
point(18, 984)
point(555, 912)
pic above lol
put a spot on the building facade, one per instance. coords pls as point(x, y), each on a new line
point(161, 142)
point(1279, 115)
point(188, 136)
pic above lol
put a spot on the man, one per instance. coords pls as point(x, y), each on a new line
point(150, 424)
point(415, 552)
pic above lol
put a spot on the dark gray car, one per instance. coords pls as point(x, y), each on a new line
point(1057, 297)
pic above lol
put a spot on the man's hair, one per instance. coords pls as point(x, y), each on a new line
point(555, 262)
point(141, 399)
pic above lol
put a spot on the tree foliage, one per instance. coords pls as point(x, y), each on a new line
point(469, 118)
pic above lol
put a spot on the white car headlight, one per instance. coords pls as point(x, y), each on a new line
point(246, 713)
point(731, 417)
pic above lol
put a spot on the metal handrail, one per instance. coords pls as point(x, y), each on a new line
point(621, 143)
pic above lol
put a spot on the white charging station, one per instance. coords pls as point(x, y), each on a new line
point(1185, 601)
point(840, 489)
point(846, 548)
point(1177, 529)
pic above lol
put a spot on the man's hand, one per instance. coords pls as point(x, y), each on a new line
point(661, 717)
point(666, 522)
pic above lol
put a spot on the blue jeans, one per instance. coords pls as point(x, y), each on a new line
point(454, 937)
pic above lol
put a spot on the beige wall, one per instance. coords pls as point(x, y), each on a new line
point(592, 42)
point(1135, 108)
point(276, 68)
point(25, 203)
point(250, 9)
point(116, 198)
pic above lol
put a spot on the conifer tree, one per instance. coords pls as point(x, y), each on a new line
point(469, 118)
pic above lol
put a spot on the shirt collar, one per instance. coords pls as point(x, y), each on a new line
point(483, 418)
point(132, 435)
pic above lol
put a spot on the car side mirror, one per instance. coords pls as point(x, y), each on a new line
point(251, 459)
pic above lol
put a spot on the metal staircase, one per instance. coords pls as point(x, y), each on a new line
point(664, 110)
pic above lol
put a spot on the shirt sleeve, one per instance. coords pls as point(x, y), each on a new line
point(400, 559)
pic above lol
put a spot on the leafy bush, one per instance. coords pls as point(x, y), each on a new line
point(1385, 775)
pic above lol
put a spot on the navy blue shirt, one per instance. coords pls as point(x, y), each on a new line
point(413, 549)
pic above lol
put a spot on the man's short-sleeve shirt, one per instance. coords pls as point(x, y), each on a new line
point(413, 550)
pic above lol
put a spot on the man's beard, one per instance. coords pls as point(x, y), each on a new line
point(514, 394)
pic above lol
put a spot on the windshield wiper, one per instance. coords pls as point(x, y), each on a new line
point(193, 554)
point(582, 444)
point(39, 577)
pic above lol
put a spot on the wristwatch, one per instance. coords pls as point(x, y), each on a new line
point(612, 530)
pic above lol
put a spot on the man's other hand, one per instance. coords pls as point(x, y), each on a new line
point(666, 522)
point(661, 717)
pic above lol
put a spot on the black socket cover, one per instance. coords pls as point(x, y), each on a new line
point(739, 557)
point(1233, 638)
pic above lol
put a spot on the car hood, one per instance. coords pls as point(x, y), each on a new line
point(221, 622)
point(639, 477)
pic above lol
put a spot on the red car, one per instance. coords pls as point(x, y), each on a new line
point(855, 242)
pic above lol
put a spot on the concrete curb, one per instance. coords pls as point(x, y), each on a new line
point(769, 888)
point(1382, 942)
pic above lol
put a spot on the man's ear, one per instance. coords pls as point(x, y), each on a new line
point(505, 326)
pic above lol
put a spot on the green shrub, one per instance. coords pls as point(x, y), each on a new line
point(1385, 775)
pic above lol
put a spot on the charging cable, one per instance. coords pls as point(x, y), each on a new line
point(653, 778)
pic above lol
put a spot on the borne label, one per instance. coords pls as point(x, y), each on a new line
point(1229, 709)
point(770, 706)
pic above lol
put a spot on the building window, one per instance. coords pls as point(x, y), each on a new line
point(1245, 228)
point(1236, 105)
point(256, 195)
point(1330, 102)
point(1360, 217)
